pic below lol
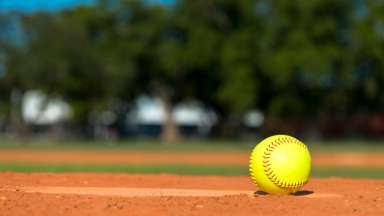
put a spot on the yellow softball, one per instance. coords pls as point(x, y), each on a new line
point(280, 164)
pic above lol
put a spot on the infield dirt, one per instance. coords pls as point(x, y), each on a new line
point(80, 194)
point(124, 194)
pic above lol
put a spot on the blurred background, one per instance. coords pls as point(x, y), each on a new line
point(200, 71)
point(113, 69)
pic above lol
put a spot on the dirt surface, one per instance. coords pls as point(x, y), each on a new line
point(205, 158)
point(123, 194)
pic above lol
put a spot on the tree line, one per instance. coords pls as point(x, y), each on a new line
point(301, 62)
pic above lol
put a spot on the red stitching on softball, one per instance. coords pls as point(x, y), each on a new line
point(268, 165)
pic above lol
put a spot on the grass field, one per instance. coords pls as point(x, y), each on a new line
point(183, 169)
point(188, 145)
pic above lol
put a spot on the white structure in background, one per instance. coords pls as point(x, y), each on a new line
point(254, 119)
point(147, 110)
point(151, 111)
point(38, 110)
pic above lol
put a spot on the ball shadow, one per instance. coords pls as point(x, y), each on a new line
point(260, 193)
point(298, 193)
point(302, 193)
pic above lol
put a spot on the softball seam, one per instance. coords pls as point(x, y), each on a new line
point(267, 163)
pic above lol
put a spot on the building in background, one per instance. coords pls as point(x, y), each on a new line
point(148, 116)
point(38, 110)
point(145, 119)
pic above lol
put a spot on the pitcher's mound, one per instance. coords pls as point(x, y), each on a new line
point(145, 192)
point(123, 194)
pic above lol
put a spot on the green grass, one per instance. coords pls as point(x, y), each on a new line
point(144, 169)
point(187, 145)
point(144, 144)
point(360, 172)
point(352, 172)
point(191, 145)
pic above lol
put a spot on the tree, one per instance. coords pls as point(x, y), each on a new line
point(304, 53)
point(10, 93)
point(174, 58)
point(70, 54)
point(295, 60)
point(368, 58)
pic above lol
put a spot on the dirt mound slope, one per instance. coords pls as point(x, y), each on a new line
point(124, 194)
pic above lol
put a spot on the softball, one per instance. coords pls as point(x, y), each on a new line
point(280, 164)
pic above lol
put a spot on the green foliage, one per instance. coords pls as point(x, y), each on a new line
point(73, 54)
point(368, 57)
point(286, 57)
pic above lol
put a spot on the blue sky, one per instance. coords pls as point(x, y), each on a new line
point(33, 5)
point(50, 5)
